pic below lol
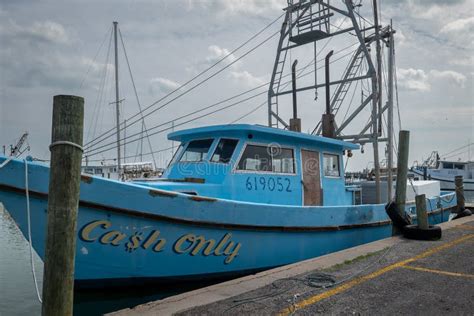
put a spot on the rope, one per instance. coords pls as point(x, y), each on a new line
point(412, 186)
point(30, 241)
point(6, 162)
point(65, 142)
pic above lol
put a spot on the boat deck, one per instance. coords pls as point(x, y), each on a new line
point(393, 275)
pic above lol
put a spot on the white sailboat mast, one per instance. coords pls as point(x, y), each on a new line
point(117, 101)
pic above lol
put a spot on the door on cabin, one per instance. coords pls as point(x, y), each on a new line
point(311, 177)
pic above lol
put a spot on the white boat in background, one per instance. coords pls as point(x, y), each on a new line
point(445, 171)
point(130, 171)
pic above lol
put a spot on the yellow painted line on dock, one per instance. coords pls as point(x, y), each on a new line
point(464, 275)
point(319, 297)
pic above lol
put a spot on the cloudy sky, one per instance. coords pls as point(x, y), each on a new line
point(62, 47)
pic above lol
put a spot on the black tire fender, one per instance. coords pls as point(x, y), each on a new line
point(464, 213)
point(414, 232)
point(397, 218)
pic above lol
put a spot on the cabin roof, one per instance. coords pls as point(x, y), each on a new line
point(456, 162)
point(217, 130)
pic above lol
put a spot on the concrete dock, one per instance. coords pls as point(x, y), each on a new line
point(389, 276)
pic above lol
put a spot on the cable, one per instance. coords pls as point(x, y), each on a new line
point(93, 60)
point(181, 117)
point(92, 153)
point(95, 151)
point(89, 145)
point(202, 73)
point(136, 96)
point(396, 88)
point(456, 154)
point(457, 149)
point(197, 85)
point(247, 114)
point(128, 157)
point(235, 96)
point(100, 94)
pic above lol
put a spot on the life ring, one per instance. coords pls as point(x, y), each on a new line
point(415, 232)
point(398, 219)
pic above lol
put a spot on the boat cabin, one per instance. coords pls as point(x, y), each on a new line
point(456, 165)
point(258, 164)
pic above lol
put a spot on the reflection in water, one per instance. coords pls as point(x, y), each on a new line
point(17, 289)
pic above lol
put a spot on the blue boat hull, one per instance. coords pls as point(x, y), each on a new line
point(133, 232)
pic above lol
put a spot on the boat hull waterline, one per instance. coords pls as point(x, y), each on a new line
point(135, 232)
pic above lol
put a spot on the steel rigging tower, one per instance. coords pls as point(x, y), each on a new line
point(309, 21)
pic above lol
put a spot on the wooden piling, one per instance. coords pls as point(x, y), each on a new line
point(402, 171)
point(63, 200)
point(421, 214)
point(461, 203)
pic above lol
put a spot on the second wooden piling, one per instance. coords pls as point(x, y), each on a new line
point(421, 214)
point(459, 185)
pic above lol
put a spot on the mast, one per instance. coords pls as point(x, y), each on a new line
point(391, 52)
point(117, 102)
point(378, 98)
point(379, 66)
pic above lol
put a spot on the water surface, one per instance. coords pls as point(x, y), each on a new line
point(17, 289)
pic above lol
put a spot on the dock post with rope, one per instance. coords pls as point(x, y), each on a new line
point(63, 200)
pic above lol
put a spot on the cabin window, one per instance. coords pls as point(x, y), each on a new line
point(196, 150)
point(458, 166)
point(448, 165)
point(176, 155)
point(331, 165)
point(282, 160)
point(267, 159)
point(224, 150)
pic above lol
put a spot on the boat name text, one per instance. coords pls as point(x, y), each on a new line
point(192, 244)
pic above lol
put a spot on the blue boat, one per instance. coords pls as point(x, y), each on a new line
point(235, 199)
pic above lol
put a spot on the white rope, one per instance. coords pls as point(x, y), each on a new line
point(412, 186)
point(29, 231)
point(6, 162)
point(65, 142)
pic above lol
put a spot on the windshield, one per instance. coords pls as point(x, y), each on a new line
point(196, 150)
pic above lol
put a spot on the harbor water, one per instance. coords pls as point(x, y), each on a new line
point(17, 288)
